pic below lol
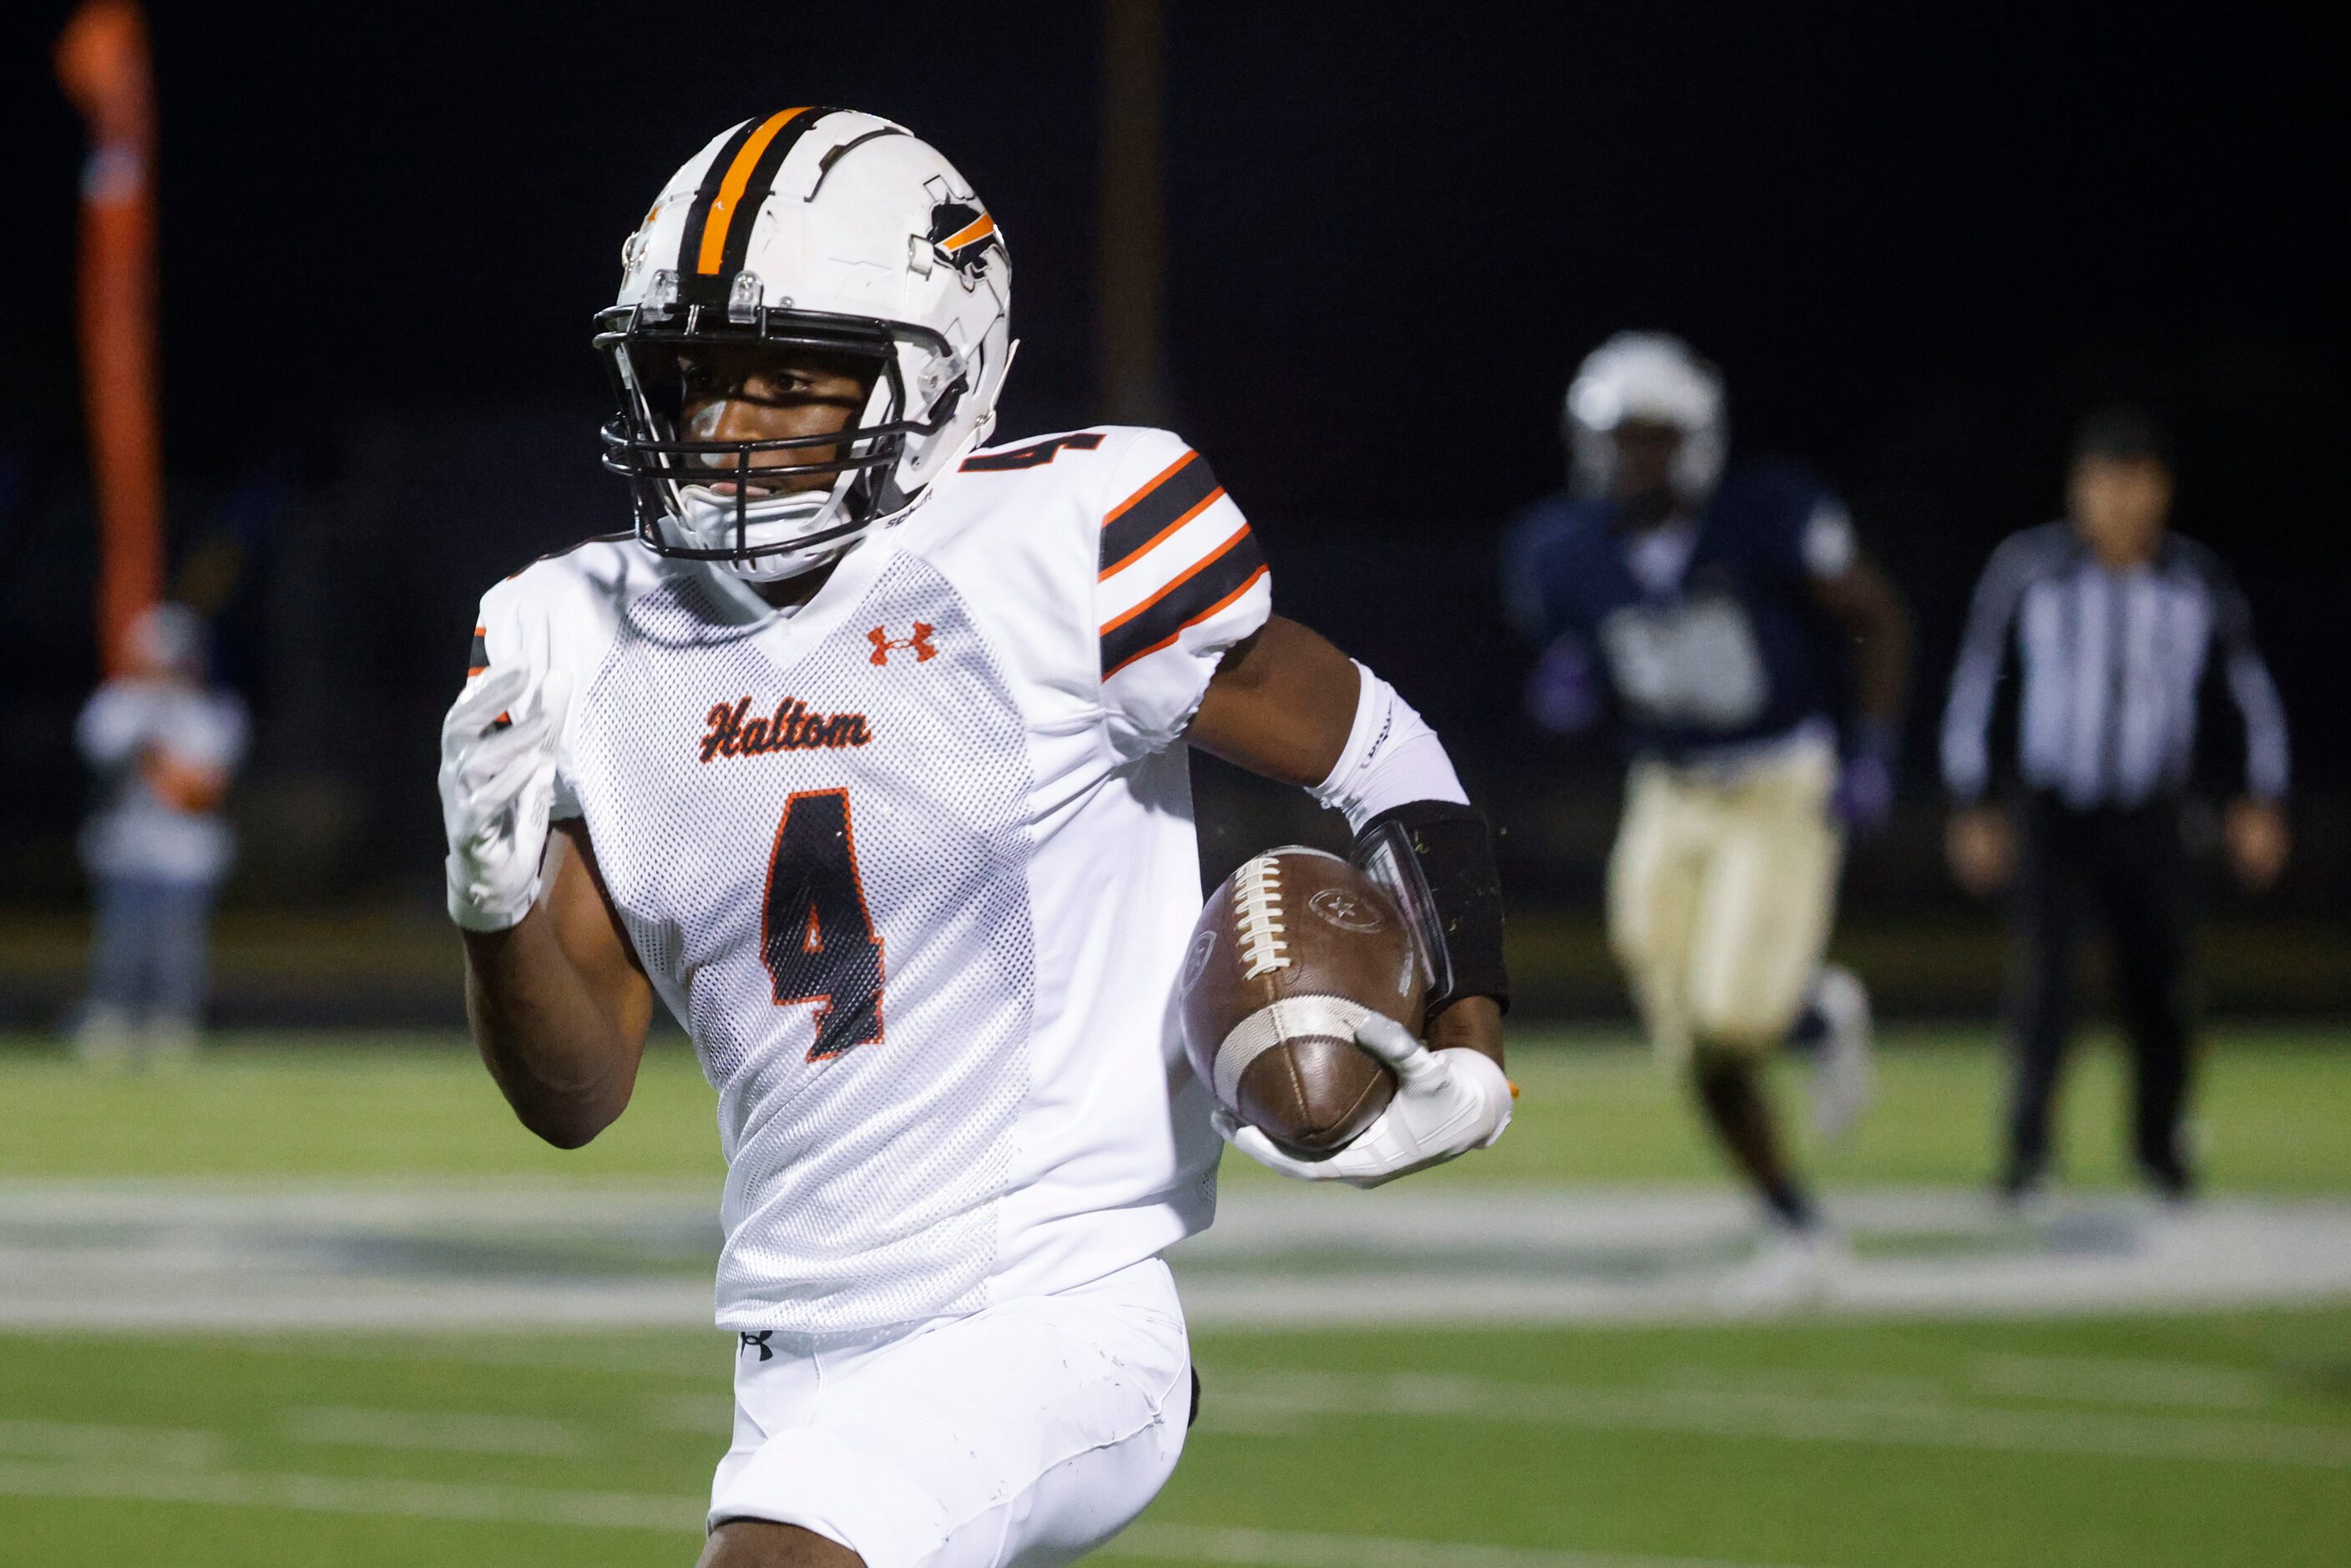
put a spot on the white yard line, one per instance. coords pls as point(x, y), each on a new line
point(2108, 1380)
point(1928, 1424)
point(484, 1503)
point(363, 1495)
point(1300, 1549)
point(84, 1440)
point(438, 1431)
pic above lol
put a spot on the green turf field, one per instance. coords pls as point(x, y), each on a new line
point(2271, 1114)
point(2210, 1439)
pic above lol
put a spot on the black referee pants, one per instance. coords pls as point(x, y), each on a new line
point(2128, 869)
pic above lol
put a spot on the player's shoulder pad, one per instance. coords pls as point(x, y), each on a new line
point(1775, 490)
point(1103, 463)
point(1558, 519)
point(1068, 453)
point(563, 606)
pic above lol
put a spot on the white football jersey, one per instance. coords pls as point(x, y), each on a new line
point(914, 866)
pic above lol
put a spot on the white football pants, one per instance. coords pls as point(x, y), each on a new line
point(1023, 1436)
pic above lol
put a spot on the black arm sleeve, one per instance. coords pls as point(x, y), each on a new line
point(1438, 858)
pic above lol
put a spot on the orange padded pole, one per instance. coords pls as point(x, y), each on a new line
point(102, 62)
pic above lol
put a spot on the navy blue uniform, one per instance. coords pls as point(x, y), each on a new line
point(1732, 652)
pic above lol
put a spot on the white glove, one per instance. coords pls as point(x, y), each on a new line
point(496, 786)
point(1447, 1103)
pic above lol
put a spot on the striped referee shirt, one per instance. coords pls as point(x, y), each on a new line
point(2111, 665)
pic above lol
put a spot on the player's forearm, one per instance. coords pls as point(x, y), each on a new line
point(1291, 706)
point(561, 1058)
point(1874, 619)
point(1472, 1023)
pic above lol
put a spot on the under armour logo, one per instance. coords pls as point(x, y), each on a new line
point(758, 1341)
point(920, 642)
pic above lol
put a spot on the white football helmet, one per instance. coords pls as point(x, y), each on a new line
point(1646, 376)
point(818, 232)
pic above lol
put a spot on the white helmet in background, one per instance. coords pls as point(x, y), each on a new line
point(1654, 377)
point(813, 231)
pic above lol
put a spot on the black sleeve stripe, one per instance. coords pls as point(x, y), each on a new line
point(1207, 588)
point(1179, 491)
point(480, 659)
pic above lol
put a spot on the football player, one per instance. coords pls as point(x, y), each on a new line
point(1711, 606)
point(863, 753)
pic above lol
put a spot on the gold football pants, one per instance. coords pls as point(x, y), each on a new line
point(1720, 891)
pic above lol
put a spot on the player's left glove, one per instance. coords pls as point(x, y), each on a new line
point(1447, 1103)
point(1564, 689)
point(1865, 786)
point(497, 782)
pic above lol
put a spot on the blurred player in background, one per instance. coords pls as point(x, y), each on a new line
point(1712, 607)
point(2114, 622)
point(164, 747)
point(864, 754)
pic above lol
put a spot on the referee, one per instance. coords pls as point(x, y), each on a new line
point(2113, 624)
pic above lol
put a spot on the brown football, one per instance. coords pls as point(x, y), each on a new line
point(1292, 952)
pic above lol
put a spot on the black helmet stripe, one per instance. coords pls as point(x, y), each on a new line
point(717, 234)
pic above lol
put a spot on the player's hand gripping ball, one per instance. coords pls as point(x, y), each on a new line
point(1301, 1001)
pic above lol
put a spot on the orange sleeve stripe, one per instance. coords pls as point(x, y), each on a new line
point(1218, 608)
point(1194, 570)
point(1155, 481)
point(1155, 541)
point(730, 190)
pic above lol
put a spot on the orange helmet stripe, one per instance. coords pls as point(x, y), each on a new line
point(730, 190)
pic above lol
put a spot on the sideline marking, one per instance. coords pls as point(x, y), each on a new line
point(125, 1257)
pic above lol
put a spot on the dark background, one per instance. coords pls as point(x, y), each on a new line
point(1919, 242)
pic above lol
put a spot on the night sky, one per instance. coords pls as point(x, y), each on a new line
point(1920, 244)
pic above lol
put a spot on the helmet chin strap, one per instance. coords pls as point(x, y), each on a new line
point(773, 526)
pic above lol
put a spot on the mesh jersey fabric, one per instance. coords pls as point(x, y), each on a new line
point(914, 875)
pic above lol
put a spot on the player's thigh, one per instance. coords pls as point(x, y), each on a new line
point(756, 1543)
point(1763, 916)
point(1652, 877)
point(1027, 1433)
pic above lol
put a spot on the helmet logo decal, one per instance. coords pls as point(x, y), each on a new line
point(957, 231)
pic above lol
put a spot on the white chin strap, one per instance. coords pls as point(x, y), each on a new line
point(772, 526)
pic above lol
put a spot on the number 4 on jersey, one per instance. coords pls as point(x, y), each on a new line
point(815, 933)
